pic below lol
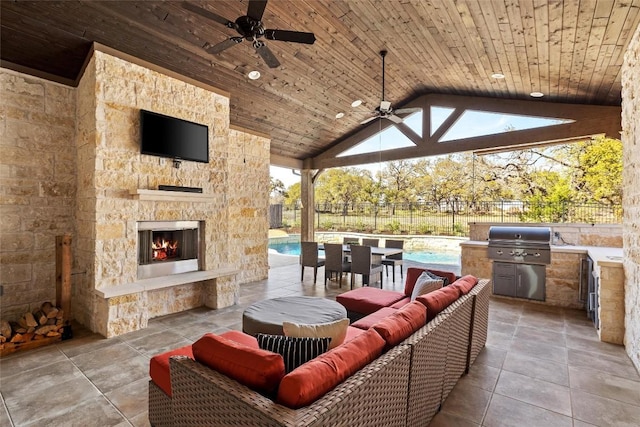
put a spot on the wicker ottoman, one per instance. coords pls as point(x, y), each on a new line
point(267, 316)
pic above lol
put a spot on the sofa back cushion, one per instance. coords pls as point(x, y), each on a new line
point(437, 301)
point(337, 331)
point(258, 369)
point(402, 323)
point(413, 273)
point(465, 283)
point(315, 378)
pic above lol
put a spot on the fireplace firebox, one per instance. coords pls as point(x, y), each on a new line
point(168, 247)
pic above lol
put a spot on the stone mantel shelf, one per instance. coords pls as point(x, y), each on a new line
point(171, 196)
point(156, 283)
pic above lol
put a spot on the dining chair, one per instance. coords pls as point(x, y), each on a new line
point(371, 242)
point(350, 241)
point(393, 260)
point(361, 263)
point(334, 261)
point(309, 258)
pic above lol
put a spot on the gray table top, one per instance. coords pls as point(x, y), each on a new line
point(267, 316)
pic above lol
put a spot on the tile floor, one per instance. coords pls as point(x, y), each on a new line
point(541, 367)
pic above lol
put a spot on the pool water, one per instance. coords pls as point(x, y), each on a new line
point(293, 248)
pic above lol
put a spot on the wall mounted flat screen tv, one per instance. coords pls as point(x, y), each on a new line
point(175, 138)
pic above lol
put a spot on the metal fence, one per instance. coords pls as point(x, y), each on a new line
point(448, 218)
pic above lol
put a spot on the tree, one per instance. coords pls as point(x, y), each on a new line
point(276, 190)
point(293, 194)
point(602, 163)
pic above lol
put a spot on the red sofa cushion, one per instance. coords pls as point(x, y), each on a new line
point(258, 369)
point(314, 379)
point(465, 283)
point(241, 337)
point(403, 322)
point(437, 301)
point(404, 301)
point(352, 333)
point(373, 318)
point(159, 367)
point(413, 273)
point(366, 300)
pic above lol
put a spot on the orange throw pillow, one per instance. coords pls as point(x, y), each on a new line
point(399, 325)
point(465, 283)
point(307, 383)
point(437, 301)
point(258, 369)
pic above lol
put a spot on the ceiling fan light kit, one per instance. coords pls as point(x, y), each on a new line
point(384, 110)
point(251, 28)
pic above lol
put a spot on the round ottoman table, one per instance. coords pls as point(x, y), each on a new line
point(267, 316)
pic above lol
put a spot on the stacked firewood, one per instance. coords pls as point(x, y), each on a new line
point(45, 322)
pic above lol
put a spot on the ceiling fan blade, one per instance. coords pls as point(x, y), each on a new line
point(290, 36)
point(256, 8)
point(370, 119)
point(267, 55)
point(394, 118)
point(217, 48)
point(407, 110)
point(207, 14)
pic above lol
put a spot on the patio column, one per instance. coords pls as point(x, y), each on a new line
point(307, 228)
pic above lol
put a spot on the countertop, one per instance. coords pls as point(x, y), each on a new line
point(600, 255)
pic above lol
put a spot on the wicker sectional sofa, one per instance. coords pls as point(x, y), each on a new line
point(404, 386)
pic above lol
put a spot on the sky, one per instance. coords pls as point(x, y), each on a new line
point(471, 123)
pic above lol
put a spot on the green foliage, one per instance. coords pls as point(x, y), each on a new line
point(394, 226)
point(425, 229)
point(293, 194)
point(327, 224)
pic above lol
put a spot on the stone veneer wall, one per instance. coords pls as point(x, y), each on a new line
point(631, 195)
point(116, 168)
point(70, 159)
point(37, 186)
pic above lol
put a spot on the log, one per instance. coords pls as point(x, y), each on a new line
point(53, 313)
point(42, 330)
point(2, 338)
point(5, 329)
point(17, 338)
point(53, 334)
point(51, 321)
point(19, 329)
point(46, 307)
point(40, 317)
point(60, 314)
point(30, 320)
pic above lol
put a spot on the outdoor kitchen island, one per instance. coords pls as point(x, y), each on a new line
point(567, 281)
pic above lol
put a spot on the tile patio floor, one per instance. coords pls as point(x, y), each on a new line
point(541, 367)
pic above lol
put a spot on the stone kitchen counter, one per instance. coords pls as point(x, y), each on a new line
point(563, 280)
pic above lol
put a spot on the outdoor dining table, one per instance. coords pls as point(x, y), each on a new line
point(376, 253)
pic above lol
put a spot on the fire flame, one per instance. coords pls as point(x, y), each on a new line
point(163, 249)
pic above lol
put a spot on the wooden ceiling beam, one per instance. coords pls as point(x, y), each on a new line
point(586, 121)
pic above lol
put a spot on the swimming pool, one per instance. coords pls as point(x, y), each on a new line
point(293, 248)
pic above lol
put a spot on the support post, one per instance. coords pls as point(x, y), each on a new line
point(307, 229)
point(63, 274)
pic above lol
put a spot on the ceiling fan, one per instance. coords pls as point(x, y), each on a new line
point(384, 110)
point(251, 28)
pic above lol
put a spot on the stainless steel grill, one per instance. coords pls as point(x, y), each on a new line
point(520, 256)
point(530, 245)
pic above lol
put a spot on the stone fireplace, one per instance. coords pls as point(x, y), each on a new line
point(168, 247)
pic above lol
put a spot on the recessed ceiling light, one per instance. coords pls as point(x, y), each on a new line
point(339, 115)
point(537, 94)
point(356, 103)
point(254, 75)
point(497, 75)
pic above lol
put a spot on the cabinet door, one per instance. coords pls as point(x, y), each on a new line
point(530, 281)
point(504, 279)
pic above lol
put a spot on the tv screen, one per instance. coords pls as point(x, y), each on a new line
point(166, 136)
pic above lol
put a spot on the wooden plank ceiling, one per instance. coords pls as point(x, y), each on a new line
point(571, 51)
